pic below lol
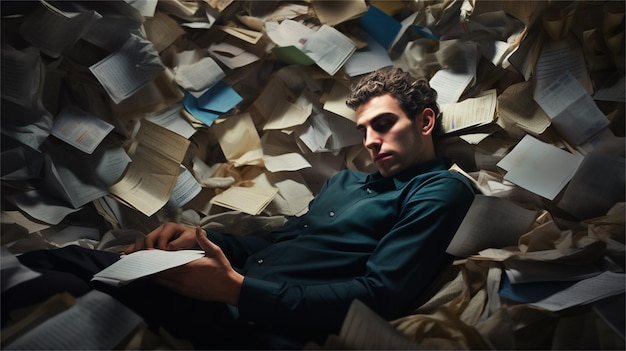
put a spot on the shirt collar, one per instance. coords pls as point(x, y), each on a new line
point(436, 164)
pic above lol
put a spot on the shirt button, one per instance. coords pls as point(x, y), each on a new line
point(331, 213)
point(260, 261)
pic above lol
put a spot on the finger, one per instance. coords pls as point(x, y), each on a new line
point(153, 238)
point(137, 246)
point(161, 242)
point(180, 238)
point(166, 232)
point(129, 249)
point(209, 248)
point(148, 243)
point(176, 244)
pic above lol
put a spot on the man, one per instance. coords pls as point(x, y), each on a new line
point(378, 237)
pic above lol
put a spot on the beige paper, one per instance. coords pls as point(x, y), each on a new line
point(239, 140)
point(471, 112)
point(247, 35)
point(516, 104)
point(250, 200)
point(149, 180)
point(336, 102)
point(162, 30)
point(333, 13)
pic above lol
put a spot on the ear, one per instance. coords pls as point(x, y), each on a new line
point(427, 119)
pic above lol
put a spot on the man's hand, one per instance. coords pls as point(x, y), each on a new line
point(168, 236)
point(210, 278)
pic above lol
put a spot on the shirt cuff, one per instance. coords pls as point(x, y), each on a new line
point(257, 299)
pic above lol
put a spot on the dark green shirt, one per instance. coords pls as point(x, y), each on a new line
point(380, 240)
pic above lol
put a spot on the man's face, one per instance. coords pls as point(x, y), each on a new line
point(394, 141)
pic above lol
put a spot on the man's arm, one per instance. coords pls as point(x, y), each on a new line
point(211, 278)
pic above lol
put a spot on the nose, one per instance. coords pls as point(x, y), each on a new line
point(372, 139)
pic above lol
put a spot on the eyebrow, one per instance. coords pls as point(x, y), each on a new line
point(375, 119)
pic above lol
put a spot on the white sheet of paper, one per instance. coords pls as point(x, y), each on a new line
point(538, 167)
point(558, 58)
point(490, 223)
point(147, 8)
point(199, 76)
point(572, 110)
point(287, 33)
point(368, 59)
point(80, 129)
point(316, 132)
point(185, 189)
point(173, 120)
point(43, 208)
point(329, 48)
point(451, 82)
point(231, 55)
point(449, 85)
point(74, 233)
point(126, 71)
point(143, 263)
point(585, 291)
point(287, 162)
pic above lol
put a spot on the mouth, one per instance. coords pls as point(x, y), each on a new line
point(382, 157)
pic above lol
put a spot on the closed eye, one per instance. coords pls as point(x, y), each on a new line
point(383, 123)
point(380, 124)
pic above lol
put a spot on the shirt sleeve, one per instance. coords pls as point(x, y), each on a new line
point(237, 248)
point(404, 263)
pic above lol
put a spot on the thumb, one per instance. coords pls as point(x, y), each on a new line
point(210, 249)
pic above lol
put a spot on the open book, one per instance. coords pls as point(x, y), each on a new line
point(143, 263)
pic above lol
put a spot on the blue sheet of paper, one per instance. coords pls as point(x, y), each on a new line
point(219, 99)
point(380, 25)
point(531, 292)
point(191, 105)
point(213, 103)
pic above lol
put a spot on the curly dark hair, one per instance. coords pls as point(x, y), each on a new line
point(413, 94)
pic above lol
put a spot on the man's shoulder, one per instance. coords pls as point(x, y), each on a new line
point(447, 182)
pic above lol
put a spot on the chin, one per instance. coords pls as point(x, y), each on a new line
point(387, 172)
